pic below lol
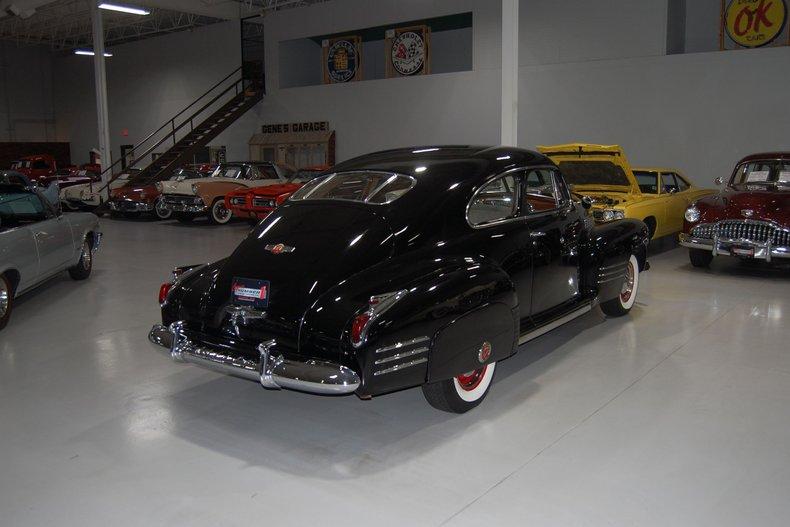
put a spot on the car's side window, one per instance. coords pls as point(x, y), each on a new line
point(21, 208)
point(669, 183)
point(540, 191)
point(682, 183)
point(494, 202)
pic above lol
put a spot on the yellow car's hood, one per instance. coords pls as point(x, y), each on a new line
point(599, 181)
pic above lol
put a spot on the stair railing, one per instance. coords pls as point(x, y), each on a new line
point(137, 153)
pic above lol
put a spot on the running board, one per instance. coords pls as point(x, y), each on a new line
point(526, 337)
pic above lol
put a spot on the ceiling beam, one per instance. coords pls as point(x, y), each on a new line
point(225, 9)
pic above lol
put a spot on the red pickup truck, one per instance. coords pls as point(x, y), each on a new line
point(42, 166)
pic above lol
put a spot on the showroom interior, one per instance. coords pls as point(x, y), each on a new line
point(496, 262)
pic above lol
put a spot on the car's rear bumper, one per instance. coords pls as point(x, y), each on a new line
point(271, 370)
point(735, 247)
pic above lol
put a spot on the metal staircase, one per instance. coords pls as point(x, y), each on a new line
point(192, 128)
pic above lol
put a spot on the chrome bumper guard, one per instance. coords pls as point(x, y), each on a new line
point(272, 371)
point(735, 247)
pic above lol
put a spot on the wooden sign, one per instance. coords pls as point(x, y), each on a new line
point(408, 51)
point(342, 58)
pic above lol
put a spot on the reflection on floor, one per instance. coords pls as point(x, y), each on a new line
point(676, 415)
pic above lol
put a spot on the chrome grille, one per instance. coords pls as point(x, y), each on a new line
point(237, 200)
point(175, 199)
point(752, 230)
point(263, 202)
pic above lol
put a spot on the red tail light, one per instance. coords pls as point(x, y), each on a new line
point(164, 289)
point(377, 305)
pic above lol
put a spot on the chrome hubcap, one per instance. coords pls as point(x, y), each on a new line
point(161, 211)
point(628, 286)
point(221, 213)
point(5, 296)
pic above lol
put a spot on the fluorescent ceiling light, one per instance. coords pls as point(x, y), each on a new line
point(89, 53)
point(124, 9)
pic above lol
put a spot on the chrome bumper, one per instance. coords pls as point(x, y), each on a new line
point(181, 205)
point(730, 247)
point(128, 205)
point(271, 370)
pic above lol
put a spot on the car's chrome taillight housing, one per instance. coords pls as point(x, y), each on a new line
point(377, 305)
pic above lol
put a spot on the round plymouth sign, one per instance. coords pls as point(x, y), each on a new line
point(755, 23)
point(342, 61)
point(408, 53)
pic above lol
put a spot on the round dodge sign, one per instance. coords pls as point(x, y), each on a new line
point(408, 53)
point(755, 23)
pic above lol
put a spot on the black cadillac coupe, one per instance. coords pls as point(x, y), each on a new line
point(410, 267)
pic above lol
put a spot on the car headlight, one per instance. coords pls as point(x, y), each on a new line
point(612, 214)
point(692, 214)
point(194, 188)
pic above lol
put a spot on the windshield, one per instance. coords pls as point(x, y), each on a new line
point(769, 172)
point(593, 173)
point(648, 181)
point(363, 187)
point(229, 171)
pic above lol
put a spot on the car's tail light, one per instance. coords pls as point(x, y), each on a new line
point(377, 305)
point(164, 290)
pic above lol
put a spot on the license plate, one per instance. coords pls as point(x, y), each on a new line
point(251, 292)
point(742, 251)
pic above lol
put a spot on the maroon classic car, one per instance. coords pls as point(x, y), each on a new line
point(749, 218)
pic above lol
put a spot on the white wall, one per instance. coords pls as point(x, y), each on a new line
point(697, 112)
point(26, 102)
point(148, 82)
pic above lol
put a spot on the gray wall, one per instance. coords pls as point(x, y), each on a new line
point(26, 103)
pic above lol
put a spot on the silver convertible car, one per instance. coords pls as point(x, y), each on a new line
point(37, 241)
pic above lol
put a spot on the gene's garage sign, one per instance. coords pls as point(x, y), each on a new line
point(755, 23)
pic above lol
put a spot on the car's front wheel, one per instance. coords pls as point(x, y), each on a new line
point(218, 214)
point(623, 303)
point(82, 270)
point(6, 300)
point(162, 213)
point(461, 393)
point(700, 257)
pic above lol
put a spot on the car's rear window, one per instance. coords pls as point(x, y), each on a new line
point(593, 173)
point(365, 187)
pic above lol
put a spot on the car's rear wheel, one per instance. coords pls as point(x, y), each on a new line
point(82, 270)
point(161, 212)
point(219, 215)
point(623, 303)
point(461, 393)
point(700, 257)
point(6, 300)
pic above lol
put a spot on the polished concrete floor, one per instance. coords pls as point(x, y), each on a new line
point(676, 415)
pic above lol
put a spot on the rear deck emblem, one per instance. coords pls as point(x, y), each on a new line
point(279, 248)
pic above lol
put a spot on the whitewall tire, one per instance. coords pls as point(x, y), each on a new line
point(623, 303)
point(461, 393)
point(218, 214)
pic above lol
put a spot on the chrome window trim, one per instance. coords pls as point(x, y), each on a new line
point(328, 177)
point(520, 216)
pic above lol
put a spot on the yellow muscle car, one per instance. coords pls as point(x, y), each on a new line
point(657, 196)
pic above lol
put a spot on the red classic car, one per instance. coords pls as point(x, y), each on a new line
point(256, 203)
point(36, 167)
point(749, 218)
point(138, 197)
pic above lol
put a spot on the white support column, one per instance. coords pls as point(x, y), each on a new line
point(100, 81)
point(509, 134)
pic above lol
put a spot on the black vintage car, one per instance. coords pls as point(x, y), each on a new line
point(412, 267)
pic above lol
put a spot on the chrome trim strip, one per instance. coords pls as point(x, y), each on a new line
point(403, 355)
point(762, 251)
point(611, 279)
point(526, 337)
point(271, 371)
point(403, 344)
point(613, 266)
point(398, 367)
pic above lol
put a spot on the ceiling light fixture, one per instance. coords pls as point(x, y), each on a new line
point(124, 9)
point(89, 53)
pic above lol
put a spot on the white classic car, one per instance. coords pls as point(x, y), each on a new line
point(88, 196)
point(37, 241)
